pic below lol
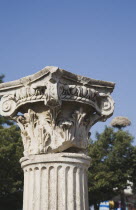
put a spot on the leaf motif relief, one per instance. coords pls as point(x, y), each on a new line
point(66, 129)
point(44, 138)
point(53, 130)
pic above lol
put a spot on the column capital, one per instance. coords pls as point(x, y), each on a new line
point(55, 109)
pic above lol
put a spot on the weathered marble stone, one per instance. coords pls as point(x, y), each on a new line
point(56, 181)
point(55, 110)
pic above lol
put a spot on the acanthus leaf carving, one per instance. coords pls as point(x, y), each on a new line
point(34, 135)
point(51, 131)
point(58, 109)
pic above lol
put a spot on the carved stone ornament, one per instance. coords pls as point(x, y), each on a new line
point(55, 109)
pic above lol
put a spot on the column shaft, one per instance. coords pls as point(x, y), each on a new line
point(56, 183)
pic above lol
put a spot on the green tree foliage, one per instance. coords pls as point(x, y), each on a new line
point(11, 175)
point(111, 164)
point(133, 170)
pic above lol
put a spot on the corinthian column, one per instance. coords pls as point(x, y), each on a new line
point(55, 110)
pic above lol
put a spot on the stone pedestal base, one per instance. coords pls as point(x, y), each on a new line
point(55, 182)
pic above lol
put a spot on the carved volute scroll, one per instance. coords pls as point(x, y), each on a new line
point(55, 109)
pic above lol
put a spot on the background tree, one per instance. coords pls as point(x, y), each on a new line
point(133, 170)
point(11, 175)
point(110, 169)
point(121, 122)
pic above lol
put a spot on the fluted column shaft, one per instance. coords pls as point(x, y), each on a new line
point(55, 182)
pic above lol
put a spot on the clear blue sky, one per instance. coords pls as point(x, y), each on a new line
point(94, 38)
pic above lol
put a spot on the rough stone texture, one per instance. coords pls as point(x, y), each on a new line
point(55, 110)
